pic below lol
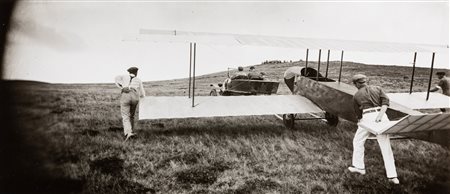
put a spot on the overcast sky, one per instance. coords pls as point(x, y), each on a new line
point(80, 42)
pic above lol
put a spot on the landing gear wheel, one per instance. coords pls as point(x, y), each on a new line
point(213, 92)
point(289, 120)
point(332, 120)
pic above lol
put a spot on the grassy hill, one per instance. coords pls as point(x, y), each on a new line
point(74, 142)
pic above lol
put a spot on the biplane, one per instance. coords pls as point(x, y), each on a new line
point(313, 92)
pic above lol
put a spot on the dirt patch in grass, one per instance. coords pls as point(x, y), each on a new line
point(115, 129)
point(258, 186)
point(190, 158)
point(318, 189)
point(90, 132)
point(202, 174)
point(110, 165)
point(198, 175)
point(157, 125)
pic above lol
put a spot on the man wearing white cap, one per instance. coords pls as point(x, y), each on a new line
point(371, 103)
point(131, 90)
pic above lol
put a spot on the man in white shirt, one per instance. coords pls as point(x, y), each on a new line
point(131, 90)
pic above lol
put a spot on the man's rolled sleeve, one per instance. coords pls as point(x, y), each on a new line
point(141, 86)
point(384, 98)
point(356, 108)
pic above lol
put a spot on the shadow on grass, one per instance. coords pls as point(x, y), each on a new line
point(433, 187)
point(113, 167)
point(60, 110)
point(109, 165)
point(66, 156)
point(235, 125)
point(42, 184)
point(369, 184)
point(232, 129)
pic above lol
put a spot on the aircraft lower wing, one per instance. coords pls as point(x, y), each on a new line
point(417, 100)
point(164, 107)
point(410, 123)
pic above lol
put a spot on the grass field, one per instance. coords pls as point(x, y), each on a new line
point(75, 133)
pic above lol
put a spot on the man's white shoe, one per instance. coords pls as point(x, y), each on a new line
point(357, 170)
point(128, 135)
point(394, 180)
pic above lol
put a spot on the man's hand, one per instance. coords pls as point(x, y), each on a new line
point(381, 113)
point(378, 119)
point(125, 90)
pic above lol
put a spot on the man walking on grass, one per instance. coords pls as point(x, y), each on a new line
point(370, 104)
point(131, 90)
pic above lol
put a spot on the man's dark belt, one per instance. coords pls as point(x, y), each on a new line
point(369, 110)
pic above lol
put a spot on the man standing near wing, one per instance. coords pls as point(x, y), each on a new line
point(371, 103)
point(131, 90)
point(444, 85)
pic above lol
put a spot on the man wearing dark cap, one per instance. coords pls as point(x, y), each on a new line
point(370, 104)
point(253, 75)
point(443, 84)
point(131, 90)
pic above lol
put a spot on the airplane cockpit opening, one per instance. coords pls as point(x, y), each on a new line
point(312, 73)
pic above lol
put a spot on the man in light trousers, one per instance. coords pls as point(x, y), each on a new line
point(131, 90)
point(370, 104)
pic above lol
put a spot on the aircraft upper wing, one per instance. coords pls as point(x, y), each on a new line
point(279, 41)
point(163, 107)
